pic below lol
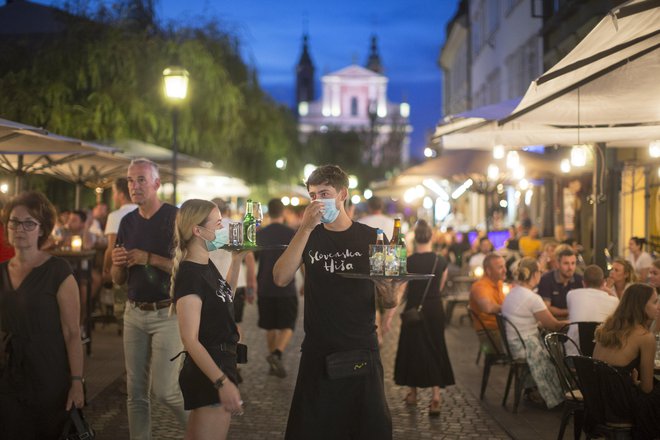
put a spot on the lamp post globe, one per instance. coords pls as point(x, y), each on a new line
point(175, 86)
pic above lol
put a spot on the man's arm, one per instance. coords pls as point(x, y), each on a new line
point(286, 266)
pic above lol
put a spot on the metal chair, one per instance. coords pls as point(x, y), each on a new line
point(518, 368)
point(608, 399)
point(491, 350)
point(586, 330)
point(573, 400)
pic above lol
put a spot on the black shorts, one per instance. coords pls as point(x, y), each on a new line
point(196, 387)
point(352, 407)
point(278, 313)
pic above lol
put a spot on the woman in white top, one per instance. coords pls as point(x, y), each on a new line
point(640, 260)
point(526, 310)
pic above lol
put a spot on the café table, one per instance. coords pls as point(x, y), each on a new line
point(82, 261)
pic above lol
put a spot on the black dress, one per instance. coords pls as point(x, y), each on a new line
point(421, 358)
point(35, 381)
point(646, 411)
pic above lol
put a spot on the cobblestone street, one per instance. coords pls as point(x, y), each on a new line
point(267, 397)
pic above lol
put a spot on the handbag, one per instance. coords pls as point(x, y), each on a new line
point(414, 315)
point(77, 428)
point(349, 363)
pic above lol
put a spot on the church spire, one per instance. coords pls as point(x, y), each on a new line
point(305, 74)
point(373, 63)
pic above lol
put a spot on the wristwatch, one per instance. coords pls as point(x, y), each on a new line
point(80, 378)
point(219, 382)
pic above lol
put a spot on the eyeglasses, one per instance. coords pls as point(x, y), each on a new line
point(28, 225)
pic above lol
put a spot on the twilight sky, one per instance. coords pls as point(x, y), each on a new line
point(410, 34)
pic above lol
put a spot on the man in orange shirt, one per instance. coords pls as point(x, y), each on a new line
point(486, 297)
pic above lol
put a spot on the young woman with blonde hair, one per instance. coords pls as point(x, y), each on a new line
point(526, 310)
point(625, 342)
point(204, 306)
point(621, 276)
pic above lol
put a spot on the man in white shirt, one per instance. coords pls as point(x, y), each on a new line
point(589, 304)
point(376, 218)
point(485, 248)
point(121, 198)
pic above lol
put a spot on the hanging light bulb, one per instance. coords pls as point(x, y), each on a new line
point(493, 172)
point(654, 149)
point(579, 155)
point(519, 172)
point(498, 151)
point(565, 166)
point(512, 160)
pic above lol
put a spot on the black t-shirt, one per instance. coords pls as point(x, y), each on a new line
point(550, 287)
point(423, 263)
point(275, 233)
point(216, 323)
point(155, 235)
point(339, 312)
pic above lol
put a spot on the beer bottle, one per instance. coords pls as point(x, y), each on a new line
point(399, 240)
point(379, 237)
point(249, 226)
point(258, 214)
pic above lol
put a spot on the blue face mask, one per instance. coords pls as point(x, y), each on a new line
point(330, 212)
point(221, 239)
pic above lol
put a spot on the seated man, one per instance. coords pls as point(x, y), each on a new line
point(592, 303)
point(486, 298)
point(554, 285)
point(485, 247)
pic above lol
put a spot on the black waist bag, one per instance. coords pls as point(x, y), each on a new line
point(348, 363)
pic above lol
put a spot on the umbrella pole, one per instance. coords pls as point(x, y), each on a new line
point(77, 202)
point(18, 181)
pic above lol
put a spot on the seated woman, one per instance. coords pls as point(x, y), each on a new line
point(625, 342)
point(621, 276)
point(525, 309)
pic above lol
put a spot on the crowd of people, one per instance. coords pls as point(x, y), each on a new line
point(185, 296)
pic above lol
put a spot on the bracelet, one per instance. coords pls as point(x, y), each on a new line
point(219, 382)
point(79, 378)
point(148, 258)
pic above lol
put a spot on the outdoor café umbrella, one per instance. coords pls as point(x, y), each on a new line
point(25, 149)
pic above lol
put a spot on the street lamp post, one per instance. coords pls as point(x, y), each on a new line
point(175, 80)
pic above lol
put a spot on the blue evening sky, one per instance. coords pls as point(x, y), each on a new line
point(410, 35)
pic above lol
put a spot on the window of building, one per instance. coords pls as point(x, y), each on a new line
point(354, 106)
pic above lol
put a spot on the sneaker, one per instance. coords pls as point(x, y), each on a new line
point(276, 365)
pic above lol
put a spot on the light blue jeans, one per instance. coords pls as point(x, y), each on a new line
point(151, 339)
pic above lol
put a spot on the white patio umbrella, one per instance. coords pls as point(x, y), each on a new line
point(28, 150)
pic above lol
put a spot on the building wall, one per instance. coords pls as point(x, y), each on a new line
point(503, 62)
point(454, 62)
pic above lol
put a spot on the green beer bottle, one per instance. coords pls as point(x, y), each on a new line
point(399, 240)
point(249, 226)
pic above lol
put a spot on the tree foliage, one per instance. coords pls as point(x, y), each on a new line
point(101, 79)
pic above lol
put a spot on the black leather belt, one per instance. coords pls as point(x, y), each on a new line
point(151, 306)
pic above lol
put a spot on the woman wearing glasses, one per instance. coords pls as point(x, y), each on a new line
point(41, 364)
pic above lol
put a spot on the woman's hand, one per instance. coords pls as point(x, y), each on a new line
point(230, 398)
point(635, 377)
point(76, 395)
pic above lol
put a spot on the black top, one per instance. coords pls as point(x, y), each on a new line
point(423, 263)
point(275, 233)
point(339, 312)
point(38, 365)
point(216, 323)
point(155, 235)
point(550, 287)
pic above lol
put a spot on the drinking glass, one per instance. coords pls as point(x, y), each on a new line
point(376, 259)
point(235, 233)
point(392, 262)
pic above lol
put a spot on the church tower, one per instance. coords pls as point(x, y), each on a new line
point(373, 62)
point(304, 76)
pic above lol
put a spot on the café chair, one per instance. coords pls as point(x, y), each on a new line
point(586, 339)
point(518, 367)
point(573, 400)
point(491, 349)
point(608, 400)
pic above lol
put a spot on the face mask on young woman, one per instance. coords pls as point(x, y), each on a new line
point(330, 212)
point(221, 239)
